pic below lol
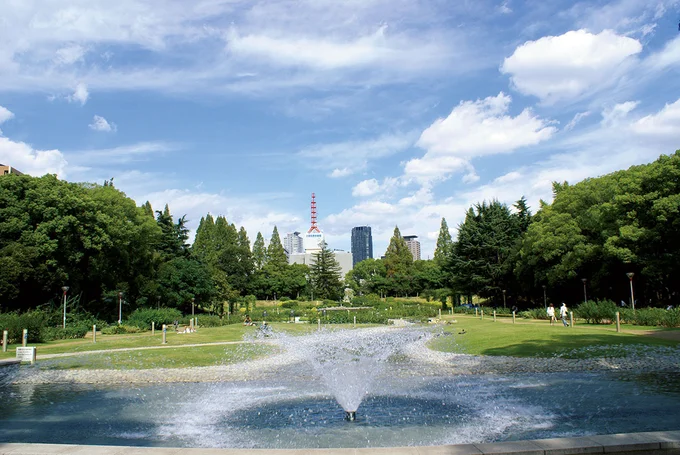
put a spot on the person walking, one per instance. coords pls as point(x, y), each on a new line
point(551, 314)
point(563, 314)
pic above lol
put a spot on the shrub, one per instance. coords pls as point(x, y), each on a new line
point(120, 329)
point(143, 317)
point(15, 324)
point(289, 304)
point(672, 318)
point(645, 316)
point(59, 333)
point(596, 312)
point(210, 321)
point(535, 313)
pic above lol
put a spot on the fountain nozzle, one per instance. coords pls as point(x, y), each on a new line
point(350, 416)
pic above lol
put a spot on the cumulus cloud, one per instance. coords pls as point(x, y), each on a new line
point(99, 123)
point(29, 160)
point(80, 94)
point(561, 67)
point(474, 129)
point(664, 123)
point(69, 54)
point(344, 172)
point(5, 114)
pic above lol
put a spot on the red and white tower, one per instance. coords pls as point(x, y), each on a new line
point(314, 239)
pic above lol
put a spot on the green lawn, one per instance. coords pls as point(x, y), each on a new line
point(528, 338)
point(176, 357)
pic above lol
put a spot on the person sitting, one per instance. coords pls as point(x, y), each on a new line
point(247, 320)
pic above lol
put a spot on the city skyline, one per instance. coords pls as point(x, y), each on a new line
point(396, 113)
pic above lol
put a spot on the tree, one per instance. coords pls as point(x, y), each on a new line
point(276, 255)
point(367, 276)
point(444, 244)
point(259, 252)
point(398, 261)
point(325, 275)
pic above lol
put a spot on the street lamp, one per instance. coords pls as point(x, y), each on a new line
point(545, 300)
point(585, 297)
point(630, 276)
point(503, 298)
point(120, 308)
point(65, 289)
point(193, 300)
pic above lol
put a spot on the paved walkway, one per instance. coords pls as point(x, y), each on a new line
point(658, 443)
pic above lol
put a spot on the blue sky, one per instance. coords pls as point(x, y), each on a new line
point(394, 112)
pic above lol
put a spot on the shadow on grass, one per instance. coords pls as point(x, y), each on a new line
point(571, 345)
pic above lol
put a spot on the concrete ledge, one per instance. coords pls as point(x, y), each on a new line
point(657, 443)
point(7, 362)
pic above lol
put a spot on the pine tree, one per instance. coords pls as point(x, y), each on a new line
point(326, 275)
point(398, 258)
point(523, 214)
point(276, 255)
point(147, 209)
point(259, 252)
point(204, 242)
point(444, 244)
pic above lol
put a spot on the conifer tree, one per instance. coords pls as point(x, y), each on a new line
point(276, 255)
point(326, 275)
point(259, 252)
point(147, 209)
point(444, 244)
point(398, 258)
point(204, 242)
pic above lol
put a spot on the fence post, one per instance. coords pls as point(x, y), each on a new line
point(165, 329)
point(513, 317)
point(476, 312)
point(571, 319)
point(94, 333)
point(24, 338)
point(618, 322)
point(355, 321)
point(482, 313)
point(4, 341)
point(153, 328)
point(318, 321)
point(494, 315)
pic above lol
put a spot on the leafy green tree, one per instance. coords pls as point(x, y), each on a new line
point(325, 275)
point(367, 276)
point(182, 279)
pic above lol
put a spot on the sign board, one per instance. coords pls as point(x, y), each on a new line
point(26, 354)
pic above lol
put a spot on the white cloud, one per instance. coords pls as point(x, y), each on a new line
point(474, 129)
point(69, 54)
point(470, 177)
point(80, 95)
point(562, 67)
point(101, 124)
point(121, 154)
point(372, 187)
point(664, 123)
point(613, 115)
point(667, 57)
point(5, 114)
point(504, 8)
point(576, 120)
point(349, 157)
point(28, 160)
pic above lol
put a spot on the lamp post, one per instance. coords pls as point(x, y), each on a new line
point(503, 298)
point(65, 289)
point(630, 276)
point(545, 300)
point(120, 308)
point(193, 300)
point(585, 297)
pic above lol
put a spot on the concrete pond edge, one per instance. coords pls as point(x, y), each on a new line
point(656, 442)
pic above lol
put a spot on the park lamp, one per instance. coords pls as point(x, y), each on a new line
point(65, 289)
point(630, 276)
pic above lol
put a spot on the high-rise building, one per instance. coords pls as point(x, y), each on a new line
point(293, 243)
point(413, 246)
point(362, 244)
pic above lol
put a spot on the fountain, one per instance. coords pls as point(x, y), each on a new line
point(378, 387)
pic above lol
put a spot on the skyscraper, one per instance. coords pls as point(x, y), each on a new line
point(413, 246)
point(362, 244)
point(292, 243)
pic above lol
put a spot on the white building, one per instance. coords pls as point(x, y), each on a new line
point(413, 246)
point(293, 243)
point(344, 258)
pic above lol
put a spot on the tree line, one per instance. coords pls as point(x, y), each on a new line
point(95, 240)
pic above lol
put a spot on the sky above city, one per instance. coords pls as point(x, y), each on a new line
point(394, 112)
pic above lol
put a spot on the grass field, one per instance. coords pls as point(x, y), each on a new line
point(529, 338)
point(525, 338)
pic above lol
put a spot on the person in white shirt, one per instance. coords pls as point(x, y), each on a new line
point(563, 314)
point(551, 314)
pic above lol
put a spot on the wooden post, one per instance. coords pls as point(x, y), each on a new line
point(482, 313)
point(165, 329)
point(153, 328)
point(318, 321)
point(94, 333)
point(355, 321)
point(618, 322)
point(513, 317)
point(4, 341)
point(440, 313)
point(476, 312)
point(494, 315)
point(571, 319)
point(24, 338)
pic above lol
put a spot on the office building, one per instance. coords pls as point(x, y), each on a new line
point(413, 246)
point(293, 243)
point(362, 244)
